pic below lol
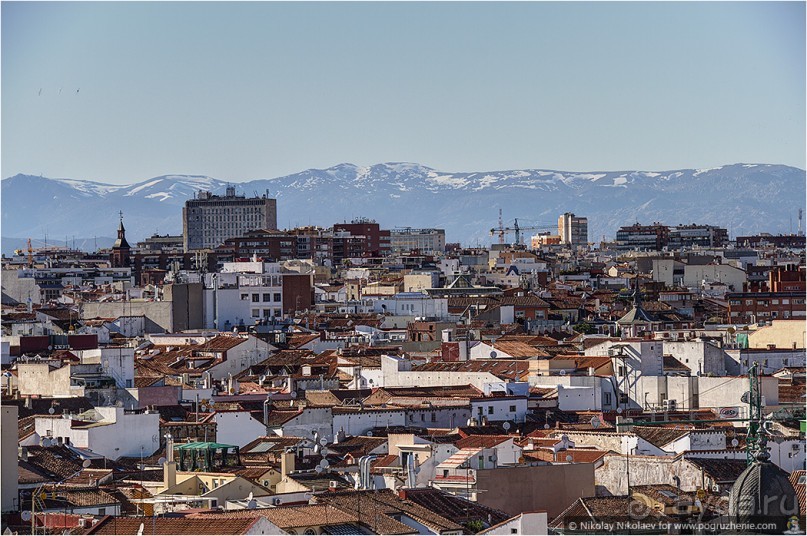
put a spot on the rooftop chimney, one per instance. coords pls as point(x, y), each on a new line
point(287, 462)
point(170, 466)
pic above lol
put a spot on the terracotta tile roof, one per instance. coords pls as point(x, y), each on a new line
point(503, 368)
point(580, 455)
point(173, 525)
point(31, 474)
point(720, 470)
point(518, 349)
point(791, 392)
point(660, 436)
point(287, 517)
point(376, 509)
point(253, 472)
point(385, 462)
point(300, 339)
point(41, 406)
point(671, 364)
point(532, 340)
point(273, 444)
point(80, 496)
point(425, 392)
point(453, 507)
point(601, 508)
point(91, 477)
point(482, 442)
point(126, 494)
point(58, 461)
point(278, 417)
point(319, 481)
point(664, 493)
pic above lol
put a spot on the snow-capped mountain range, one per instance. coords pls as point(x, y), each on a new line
point(744, 198)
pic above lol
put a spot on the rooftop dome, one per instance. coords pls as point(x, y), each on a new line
point(763, 493)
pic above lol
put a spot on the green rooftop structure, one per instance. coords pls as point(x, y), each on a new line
point(207, 456)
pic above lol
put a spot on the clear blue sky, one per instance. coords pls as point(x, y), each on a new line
point(257, 90)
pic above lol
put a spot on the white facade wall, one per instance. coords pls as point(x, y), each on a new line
point(604, 389)
point(699, 356)
point(359, 423)
point(231, 308)
point(502, 409)
point(437, 417)
point(415, 306)
point(307, 422)
point(237, 428)
point(721, 392)
point(396, 372)
point(250, 352)
point(117, 362)
point(643, 356)
point(578, 398)
point(697, 440)
point(789, 454)
point(119, 434)
point(734, 277)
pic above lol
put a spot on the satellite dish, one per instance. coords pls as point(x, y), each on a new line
point(619, 410)
point(370, 433)
point(698, 503)
point(26, 515)
point(51, 410)
point(562, 372)
point(546, 426)
point(86, 463)
point(506, 426)
point(746, 397)
point(162, 460)
point(119, 404)
point(325, 464)
point(493, 354)
point(293, 394)
point(252, 504)
point(564, 438)
point(569, 458)
point(323, 441)
point(203, 408)
point(323, 451)
point(46, 442)
point(734, 442)
point(318, 468)
point(595, 422)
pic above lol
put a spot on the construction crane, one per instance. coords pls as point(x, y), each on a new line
point(516, 228)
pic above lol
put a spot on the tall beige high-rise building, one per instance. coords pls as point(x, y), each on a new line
point(209, 220)
point(573, 230)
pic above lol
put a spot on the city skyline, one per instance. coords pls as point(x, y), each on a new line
point(123, 92)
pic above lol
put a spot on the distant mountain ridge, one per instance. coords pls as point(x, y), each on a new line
point(745, 198)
